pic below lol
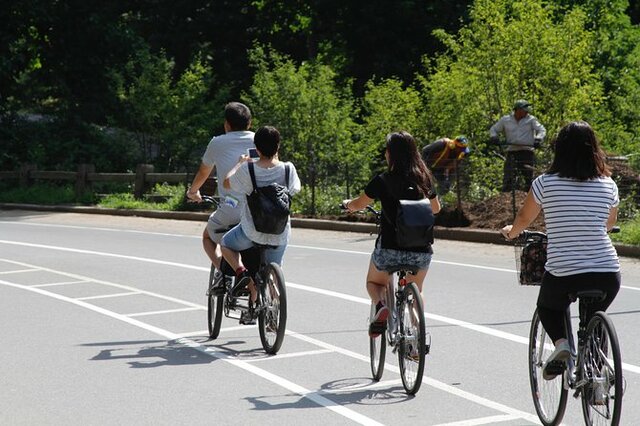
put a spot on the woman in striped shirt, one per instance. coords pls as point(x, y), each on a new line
point(580, 204)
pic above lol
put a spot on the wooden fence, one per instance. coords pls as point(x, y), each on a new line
point(143, 179)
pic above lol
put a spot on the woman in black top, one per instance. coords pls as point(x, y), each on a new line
point(407, 177)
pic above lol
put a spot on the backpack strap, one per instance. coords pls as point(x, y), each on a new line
point(252, 173)
point(286, 174)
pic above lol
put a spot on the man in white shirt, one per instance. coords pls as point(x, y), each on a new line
point(223, 153)
point(523, 133)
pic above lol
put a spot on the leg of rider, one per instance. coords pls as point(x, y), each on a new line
point(211, 249)
point(232, 244)
point(377, 282)
point(553, 300)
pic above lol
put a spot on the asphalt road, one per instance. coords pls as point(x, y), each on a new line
point(104, 322)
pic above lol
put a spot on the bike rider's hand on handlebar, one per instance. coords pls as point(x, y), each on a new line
point(194, 196)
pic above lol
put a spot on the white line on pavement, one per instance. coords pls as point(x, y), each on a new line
point(60, 283)
point(17, 271)
point(315, 396)
point(311, 395)
point(166, 311)
point(106, 296)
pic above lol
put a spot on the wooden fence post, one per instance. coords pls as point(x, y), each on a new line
point(25, 172)
point(82, 183)
point(140, 185)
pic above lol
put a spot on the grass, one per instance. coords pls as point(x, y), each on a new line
point(629, 232)
point(44, 194)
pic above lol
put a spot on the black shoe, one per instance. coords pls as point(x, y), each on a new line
point(247, 317)
point(240, 287)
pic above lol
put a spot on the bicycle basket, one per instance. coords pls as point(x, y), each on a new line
point(531, 255)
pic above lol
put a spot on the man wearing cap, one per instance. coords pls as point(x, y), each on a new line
point(523, 132)
point(442, 156)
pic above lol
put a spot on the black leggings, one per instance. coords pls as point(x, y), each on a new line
point(553, 298)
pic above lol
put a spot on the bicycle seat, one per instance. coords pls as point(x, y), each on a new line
point(413, 269)
point(591, 295)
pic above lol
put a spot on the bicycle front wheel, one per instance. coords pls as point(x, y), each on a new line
point(412, 350)
point(377, 350)
point(602, 371)
point(549, 396)
point(214, 308)
point(272, 320)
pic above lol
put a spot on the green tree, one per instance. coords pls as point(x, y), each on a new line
point(389, 106)
point(511, 50)
point(169, 119)
point(314, 116)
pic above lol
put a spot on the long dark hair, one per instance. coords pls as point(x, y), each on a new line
point(405, 161)
point(577, 153)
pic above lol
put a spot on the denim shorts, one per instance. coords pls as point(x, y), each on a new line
point(389, 259)
point(237, 240)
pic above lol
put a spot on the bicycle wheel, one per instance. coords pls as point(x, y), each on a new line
point(272, 319)
point(214, 308)
point(549, 396)
point(412, 351)
point(602, 370)
point(377, 351)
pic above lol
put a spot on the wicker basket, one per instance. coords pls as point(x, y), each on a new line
point(531, 255)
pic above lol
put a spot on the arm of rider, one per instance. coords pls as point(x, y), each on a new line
point(435, 204)
point(357, 203)
point(527, 213)
point(193, 193)
point(613, 218)
point(243, 159)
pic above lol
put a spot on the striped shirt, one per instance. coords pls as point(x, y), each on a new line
point(575, 215)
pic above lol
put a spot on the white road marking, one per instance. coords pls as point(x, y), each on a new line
point(464, 324)
point(17, 271)
point(60, 283)
point(106, 296)
point(481, 421)
point(166, 311)
point(290, 355)
point(314, 396)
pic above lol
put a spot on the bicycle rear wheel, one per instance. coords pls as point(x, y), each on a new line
point(602, 370)
point(214, 307)
point(412, 350)
point(272, 319)
point(377, 350)
point(549, 396)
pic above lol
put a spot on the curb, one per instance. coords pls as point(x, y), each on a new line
point(473, 235)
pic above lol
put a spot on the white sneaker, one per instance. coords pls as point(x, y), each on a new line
point(556, 362)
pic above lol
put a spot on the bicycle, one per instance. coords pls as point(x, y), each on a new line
point(593, 370)
point(270, 307)
point(406, 330)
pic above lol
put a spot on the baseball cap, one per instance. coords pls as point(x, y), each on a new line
point(522, 104)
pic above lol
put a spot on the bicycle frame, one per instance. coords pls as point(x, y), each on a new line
point(395, 297)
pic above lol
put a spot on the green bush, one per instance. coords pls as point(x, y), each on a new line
point(44, 194)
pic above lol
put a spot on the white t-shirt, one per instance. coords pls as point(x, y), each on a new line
point(240, 182)
point(575, 215)
point(223, 152)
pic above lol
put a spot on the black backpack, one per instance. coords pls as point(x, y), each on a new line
point(269, 205)
point(413, 223)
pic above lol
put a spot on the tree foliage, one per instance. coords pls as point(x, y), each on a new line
point(314, 115)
